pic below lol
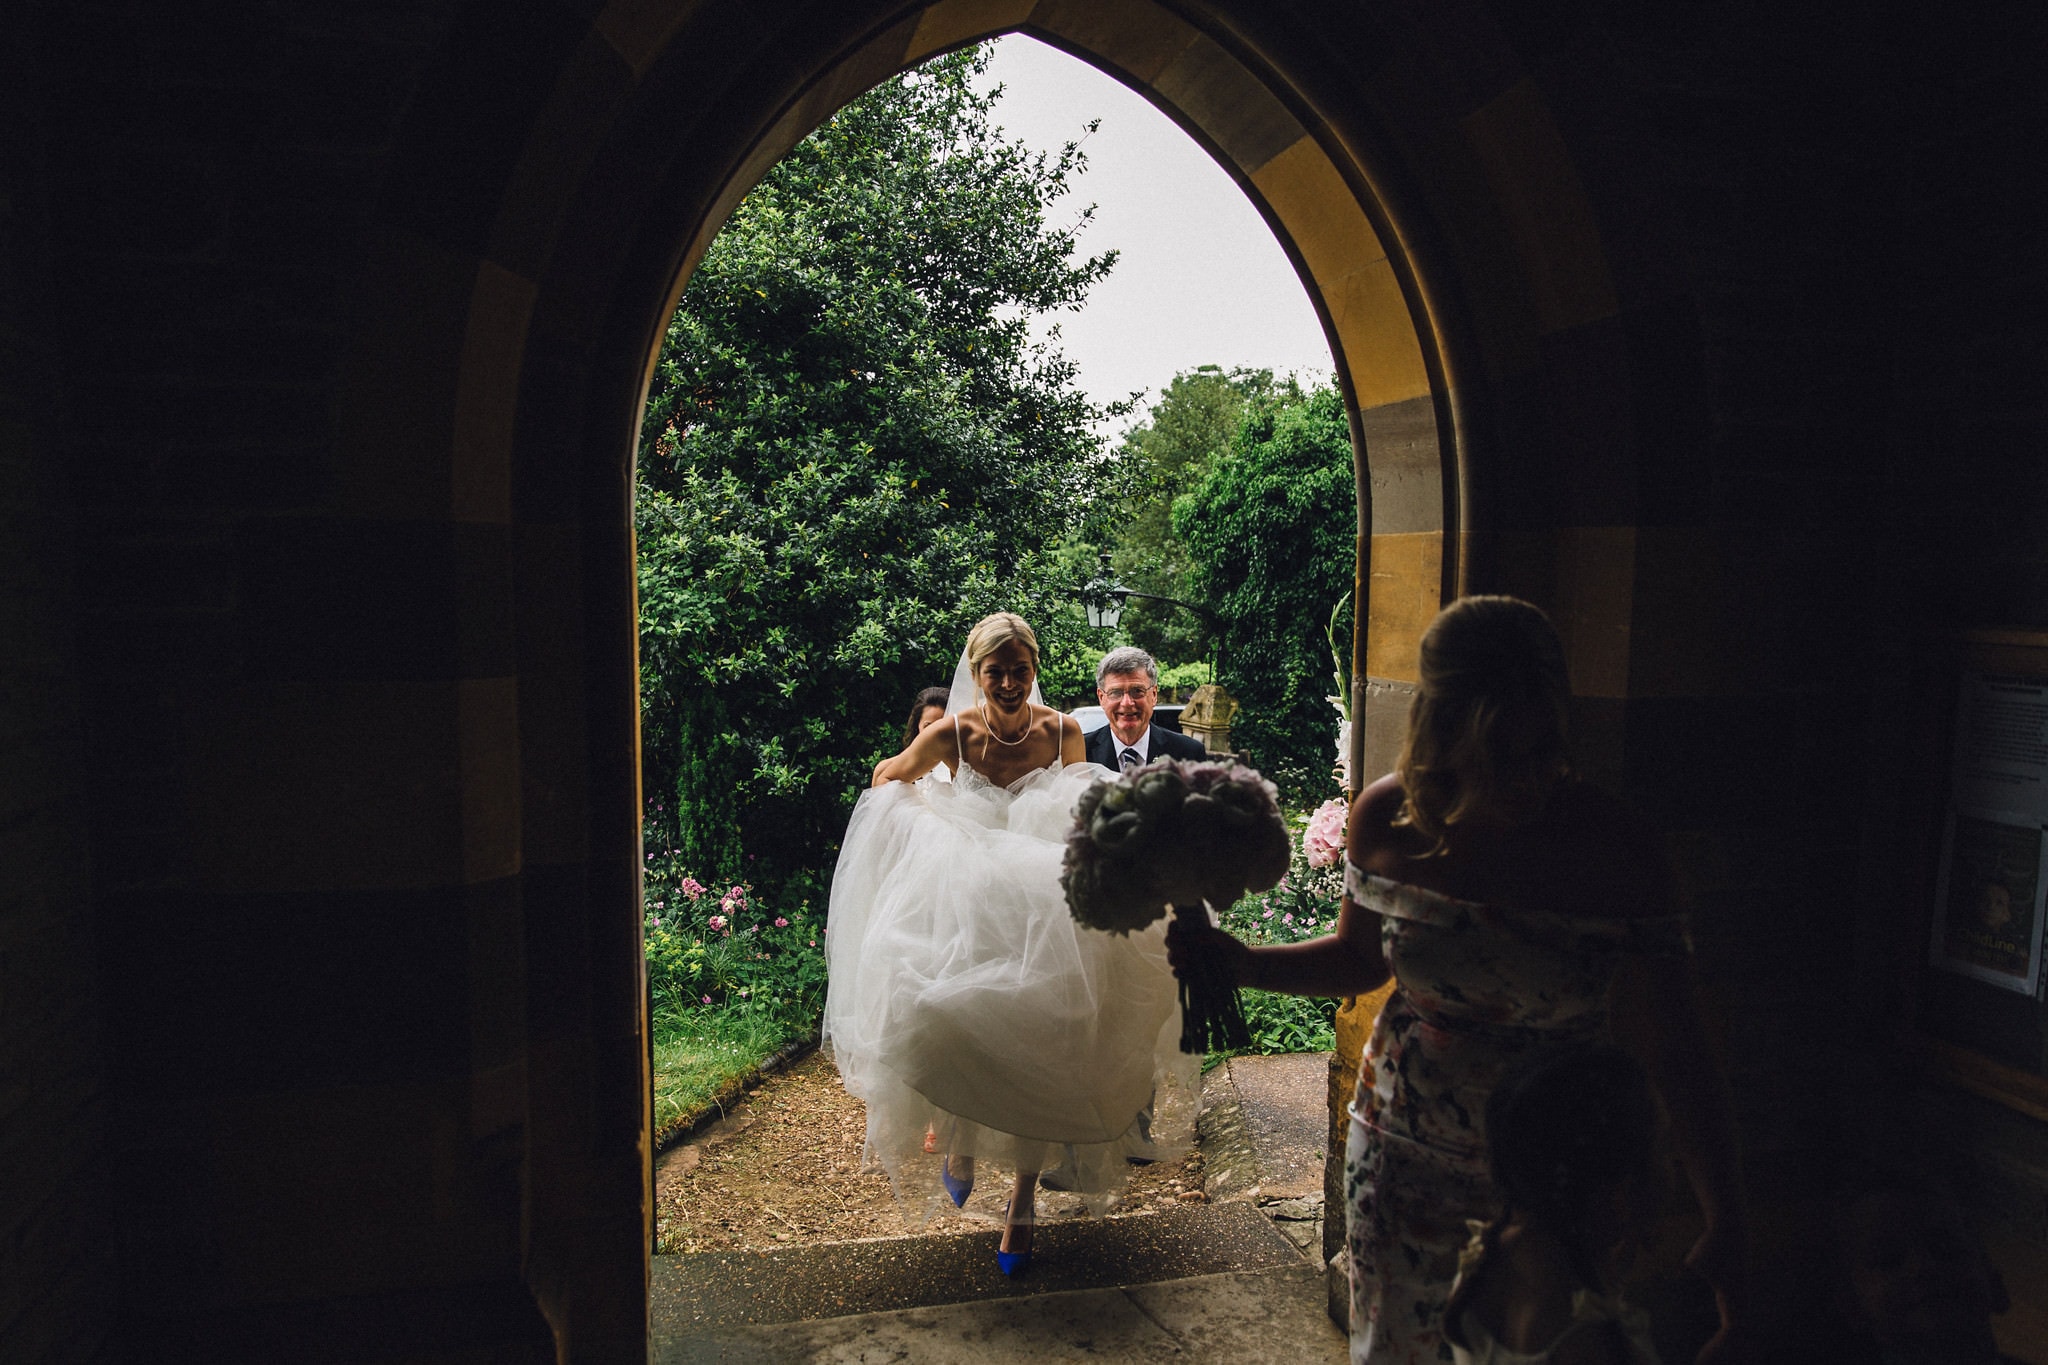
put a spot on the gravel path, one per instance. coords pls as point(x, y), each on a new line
point(784, 1168)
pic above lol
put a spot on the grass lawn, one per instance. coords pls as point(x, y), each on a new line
point(697, 1053)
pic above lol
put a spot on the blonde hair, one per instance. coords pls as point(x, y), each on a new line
point(994, 631)
point(1486, 735)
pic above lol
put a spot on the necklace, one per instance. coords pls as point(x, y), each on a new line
point(1022, 734)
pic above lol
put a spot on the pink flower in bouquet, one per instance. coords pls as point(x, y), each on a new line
point(692, 887)
point(1323, 840)
point(716, 921)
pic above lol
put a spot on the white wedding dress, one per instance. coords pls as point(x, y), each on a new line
point(963, 994)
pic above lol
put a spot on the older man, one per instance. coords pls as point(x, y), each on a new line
point(1127, 685)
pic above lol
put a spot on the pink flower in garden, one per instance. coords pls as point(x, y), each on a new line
point(1287, 919)
point(692, 887)
point(1323, 840)
point(1267, 915)
point(781, 923)
point(716, 921)
point(707, 999)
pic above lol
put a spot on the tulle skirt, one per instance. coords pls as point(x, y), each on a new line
point(964, 997)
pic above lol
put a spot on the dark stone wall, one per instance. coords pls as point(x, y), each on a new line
point(57, 1283)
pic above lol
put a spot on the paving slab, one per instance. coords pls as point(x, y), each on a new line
point(711, 1292)
point(1265, 1122)
point(1243, 1317)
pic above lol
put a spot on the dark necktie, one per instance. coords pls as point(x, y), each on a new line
point(1130, 758)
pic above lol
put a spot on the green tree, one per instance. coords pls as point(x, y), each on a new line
point(1270, 533)
point(1169, 454)
point(851, 450)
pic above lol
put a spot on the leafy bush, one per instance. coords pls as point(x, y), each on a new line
point(730, 977)
point(720, 949)
point(1186, 675)
point(1303, 906)
point(1168, 454)
point(852, 449)
point(1271, 533)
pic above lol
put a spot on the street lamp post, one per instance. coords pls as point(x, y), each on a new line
point(1105, 597)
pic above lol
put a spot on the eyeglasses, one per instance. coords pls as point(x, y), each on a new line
point(1134, 693)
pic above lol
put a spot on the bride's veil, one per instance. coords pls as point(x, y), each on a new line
point(965, 693)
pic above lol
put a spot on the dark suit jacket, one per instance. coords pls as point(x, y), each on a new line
point(1102, 746)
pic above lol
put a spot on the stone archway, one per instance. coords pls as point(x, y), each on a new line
point(537, 231)
point(1317, 195)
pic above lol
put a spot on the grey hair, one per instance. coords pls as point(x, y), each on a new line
point(1128, 659)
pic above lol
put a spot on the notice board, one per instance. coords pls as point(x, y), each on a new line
point(1982, 997)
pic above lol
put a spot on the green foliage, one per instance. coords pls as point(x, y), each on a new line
point(1303, 906)
point(730, 977)
point(852, 449)
point(1270, 535)
point(721, 947)
point(1186, 675)
point(1183, 436)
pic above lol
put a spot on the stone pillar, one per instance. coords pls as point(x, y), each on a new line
point(1355, 1018)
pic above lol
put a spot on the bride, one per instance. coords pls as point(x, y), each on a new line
point(964, 1001)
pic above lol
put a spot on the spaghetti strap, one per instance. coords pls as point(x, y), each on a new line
point(959, 755)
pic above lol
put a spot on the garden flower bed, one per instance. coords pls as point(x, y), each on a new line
point(730, 981)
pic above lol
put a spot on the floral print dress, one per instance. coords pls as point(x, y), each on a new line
point(1475, 987)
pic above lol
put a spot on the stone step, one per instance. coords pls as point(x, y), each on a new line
point(710, 1292)
point(1246, 1317)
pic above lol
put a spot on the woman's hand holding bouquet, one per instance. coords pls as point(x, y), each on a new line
point(1173, 835)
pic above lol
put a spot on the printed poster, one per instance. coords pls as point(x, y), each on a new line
point(2001, 747)
point(1994, 879)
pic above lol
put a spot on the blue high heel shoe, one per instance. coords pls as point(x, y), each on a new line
point(1015, 1262)
point(956, 1190)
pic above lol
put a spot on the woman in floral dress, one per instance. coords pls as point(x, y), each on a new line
point(1511, 903)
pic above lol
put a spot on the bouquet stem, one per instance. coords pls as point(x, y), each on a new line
point(1211, 1015)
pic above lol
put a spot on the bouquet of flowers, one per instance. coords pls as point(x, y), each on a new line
point(1171, 835)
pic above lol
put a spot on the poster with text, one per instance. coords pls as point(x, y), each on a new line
point(2001, 750)
point(1994, 879)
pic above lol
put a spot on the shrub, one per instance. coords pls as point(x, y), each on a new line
point(1270, 534)
point(1303, 906)
point(1187, 676)
point(719, 948)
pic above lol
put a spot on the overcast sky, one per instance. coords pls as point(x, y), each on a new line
point(1200, 279)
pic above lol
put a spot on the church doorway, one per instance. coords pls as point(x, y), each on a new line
point(1442, 244)
point(1366, 301)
